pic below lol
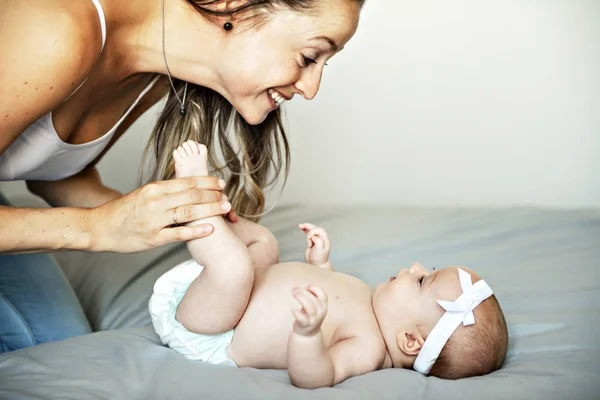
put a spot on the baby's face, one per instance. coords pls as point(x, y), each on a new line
point(407, 303)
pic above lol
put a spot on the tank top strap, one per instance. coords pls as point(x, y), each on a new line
point(102, 18)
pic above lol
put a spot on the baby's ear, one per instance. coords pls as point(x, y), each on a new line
point(410, 343)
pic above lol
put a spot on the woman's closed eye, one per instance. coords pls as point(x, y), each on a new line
point(307, 61)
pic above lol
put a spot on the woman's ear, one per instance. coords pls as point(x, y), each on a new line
point(228, 5)
point(225, 6)
point(410, 343)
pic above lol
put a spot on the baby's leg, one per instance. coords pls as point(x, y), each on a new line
point(217, 299)
point(260, 242)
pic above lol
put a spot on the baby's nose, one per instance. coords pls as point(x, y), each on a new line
point(416, 267)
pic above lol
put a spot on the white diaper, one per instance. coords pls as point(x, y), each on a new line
point(168, 292)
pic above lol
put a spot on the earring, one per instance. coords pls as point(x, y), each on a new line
point(228, 26)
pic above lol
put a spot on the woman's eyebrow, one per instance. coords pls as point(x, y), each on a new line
point(334, 47)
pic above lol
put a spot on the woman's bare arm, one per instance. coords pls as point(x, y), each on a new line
point(61, 48)
point(46, 54)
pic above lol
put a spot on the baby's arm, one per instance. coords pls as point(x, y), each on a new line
point(317, 246)
point(309, 364)
point(312, 365)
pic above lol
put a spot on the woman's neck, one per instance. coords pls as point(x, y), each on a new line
point(135, 41)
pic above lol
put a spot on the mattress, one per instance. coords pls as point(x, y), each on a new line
point(543, 266)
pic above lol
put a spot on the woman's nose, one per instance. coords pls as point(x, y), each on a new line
point(309, 83)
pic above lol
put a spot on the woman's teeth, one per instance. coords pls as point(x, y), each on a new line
point(277, 97)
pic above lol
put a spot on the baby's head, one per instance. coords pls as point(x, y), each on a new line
point(407, 311)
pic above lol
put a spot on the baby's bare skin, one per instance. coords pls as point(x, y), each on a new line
point(320, 325)
point(316, 323)
point(261, 337)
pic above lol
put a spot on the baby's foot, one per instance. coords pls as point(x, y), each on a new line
point(190, 160)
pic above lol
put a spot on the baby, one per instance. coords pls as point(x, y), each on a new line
point(233, 304)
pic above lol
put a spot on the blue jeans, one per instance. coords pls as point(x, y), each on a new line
point(37, 303)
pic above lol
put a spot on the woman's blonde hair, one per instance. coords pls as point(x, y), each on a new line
point(250, 161)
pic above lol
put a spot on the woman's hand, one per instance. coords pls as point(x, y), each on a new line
point(151, 216)
point(231, 215)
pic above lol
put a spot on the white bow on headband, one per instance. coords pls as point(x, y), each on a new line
point(460, 310)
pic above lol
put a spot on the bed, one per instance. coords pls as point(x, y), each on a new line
point(544, 266)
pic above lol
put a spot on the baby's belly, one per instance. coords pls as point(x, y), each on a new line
point(261, 342)
point(261, 337)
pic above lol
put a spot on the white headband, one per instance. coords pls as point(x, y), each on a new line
point(457, 311)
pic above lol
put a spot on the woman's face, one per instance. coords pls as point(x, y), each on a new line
point(285, 56)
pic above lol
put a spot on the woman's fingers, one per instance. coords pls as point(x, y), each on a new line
point(187, 205)
point(189, 197)
point(185, 214)
point(141, 219)
point(162, 188)
point(185, 233)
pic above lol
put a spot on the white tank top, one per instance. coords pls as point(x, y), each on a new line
point(40, 154)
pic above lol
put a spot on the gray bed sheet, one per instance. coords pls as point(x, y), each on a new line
point(543, 265)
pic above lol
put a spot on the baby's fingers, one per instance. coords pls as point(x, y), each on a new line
point(309, 243)
point(306, 227)
point(317, 241)
point(319, 293)
point(318, 232)
point(307, 300)
point(300, 317)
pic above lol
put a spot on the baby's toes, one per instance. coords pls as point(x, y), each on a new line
point(193, 147)
point(187, 147)
point(196, 147)
point(202, 150)
point(176, 155)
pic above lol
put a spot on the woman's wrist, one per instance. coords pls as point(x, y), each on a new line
point(74, 228)
point(97, 238)
point(82, 236)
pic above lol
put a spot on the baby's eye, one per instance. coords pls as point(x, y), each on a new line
point(421, 279)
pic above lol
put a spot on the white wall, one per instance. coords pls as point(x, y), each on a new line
point(457, 102)
point(472, 103)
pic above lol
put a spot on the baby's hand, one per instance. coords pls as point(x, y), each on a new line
point(314, 308)
point(317, 244)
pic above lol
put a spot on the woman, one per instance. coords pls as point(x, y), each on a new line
point(77, 74)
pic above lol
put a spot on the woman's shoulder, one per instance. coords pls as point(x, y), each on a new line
point(67, 33)
point(48, 49)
